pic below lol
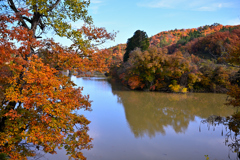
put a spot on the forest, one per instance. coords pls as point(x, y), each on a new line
point(202, 59)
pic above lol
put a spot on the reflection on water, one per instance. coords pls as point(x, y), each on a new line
point(151, 112)
point(232, 126)
point(138, 125)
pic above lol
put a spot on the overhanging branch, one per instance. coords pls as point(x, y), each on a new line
point(21, 19)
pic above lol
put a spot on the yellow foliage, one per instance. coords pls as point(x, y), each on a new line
point(177, 88)
point(184, 90)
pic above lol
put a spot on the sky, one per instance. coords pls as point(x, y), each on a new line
point(154, 16)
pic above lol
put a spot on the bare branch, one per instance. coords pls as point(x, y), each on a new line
point(27, 19)
point(13, 7)
point(53, 6)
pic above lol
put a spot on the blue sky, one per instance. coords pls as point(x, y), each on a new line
point(154, 16)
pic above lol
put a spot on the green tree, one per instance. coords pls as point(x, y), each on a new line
point(138, 40)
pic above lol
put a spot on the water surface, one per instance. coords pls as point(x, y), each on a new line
point(135, 125)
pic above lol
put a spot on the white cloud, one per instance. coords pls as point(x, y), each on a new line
point(214, 6)
point(203, 5)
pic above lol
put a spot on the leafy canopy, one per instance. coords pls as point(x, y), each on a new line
point(37, 101)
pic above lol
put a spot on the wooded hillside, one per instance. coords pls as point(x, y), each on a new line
point(201, 59)
point(206, 41)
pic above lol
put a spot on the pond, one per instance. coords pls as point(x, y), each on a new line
point(136, 125)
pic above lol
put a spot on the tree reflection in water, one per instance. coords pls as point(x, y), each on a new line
point(151, 113)
point(232, 126)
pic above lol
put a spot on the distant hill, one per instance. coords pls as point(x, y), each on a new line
point(117, 52)
point(209, 41)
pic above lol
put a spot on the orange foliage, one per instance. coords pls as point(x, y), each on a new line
point(234, 93)
point(134, 82)
point(37, 101)
point(234, 89)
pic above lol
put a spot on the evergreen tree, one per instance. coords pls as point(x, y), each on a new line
point(138, 40)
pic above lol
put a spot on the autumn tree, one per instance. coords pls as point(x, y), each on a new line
point(234, 89)
point(37, 101)
point(153, 69)
point(138, 40)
